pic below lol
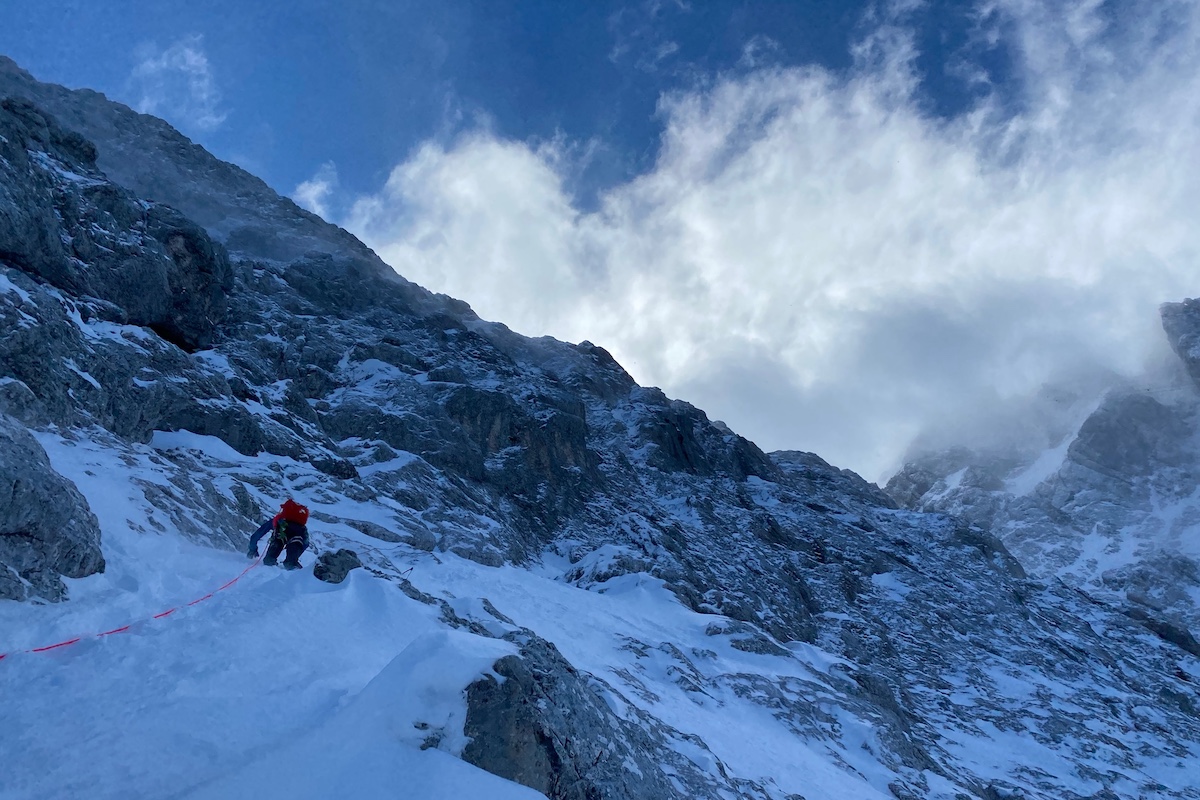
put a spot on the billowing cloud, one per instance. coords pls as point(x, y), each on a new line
point(177, 84)
point(818, 262)
point(314, 193)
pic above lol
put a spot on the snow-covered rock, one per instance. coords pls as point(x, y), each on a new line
point(64, 223)
point(541, 723)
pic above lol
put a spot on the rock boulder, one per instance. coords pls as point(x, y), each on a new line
point(334, 567)
point(47, 529)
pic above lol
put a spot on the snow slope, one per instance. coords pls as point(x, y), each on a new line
point(283, 686)
point(247, 683)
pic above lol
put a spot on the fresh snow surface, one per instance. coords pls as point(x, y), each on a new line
point(281, 687)
point(1046, 465)
point(603, 633)
point(1099, 553)
point(208, 445)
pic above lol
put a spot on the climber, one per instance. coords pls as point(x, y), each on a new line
point(289, 530)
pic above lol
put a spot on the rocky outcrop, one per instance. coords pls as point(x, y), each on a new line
point(684, 440)
point(63, 221)
point(198, 278)
point(1181, 321)
point(334, 567)
point(47, 529)
point(545, 725)
point(813, 475)
point(542, 461)
point(146, 156)
point(1132, 436)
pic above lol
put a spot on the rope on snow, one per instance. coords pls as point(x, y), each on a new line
point(125, 628)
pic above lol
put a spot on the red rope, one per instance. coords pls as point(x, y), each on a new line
point(55, 646)
point(125, 628)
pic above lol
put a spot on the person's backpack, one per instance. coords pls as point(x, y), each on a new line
point(294, 512)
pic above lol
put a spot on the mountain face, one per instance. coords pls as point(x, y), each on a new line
point(1112, 510)
point(181, 339)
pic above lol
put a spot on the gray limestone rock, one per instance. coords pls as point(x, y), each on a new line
point(1131, 435)
point(540, 459)
point(547, 726)
point(1166, 630)
point(817, 476)
point(62, 220)
point(147, 156)
point(19, 402)
point(199, 278)
point(47, 529)
point(746, 638)
point(685, 440)
point(334, 567)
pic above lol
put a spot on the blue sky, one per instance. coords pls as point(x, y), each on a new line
point(361, 83)
point(837, 226)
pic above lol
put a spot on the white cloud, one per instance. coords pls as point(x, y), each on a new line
point(637, 32)
point(177, 84)
point(314, 193)
point(820, 264)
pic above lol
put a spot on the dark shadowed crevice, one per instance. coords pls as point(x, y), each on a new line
point(169, 333)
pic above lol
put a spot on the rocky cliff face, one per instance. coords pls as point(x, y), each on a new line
point(64, 223)
point(142, 298)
